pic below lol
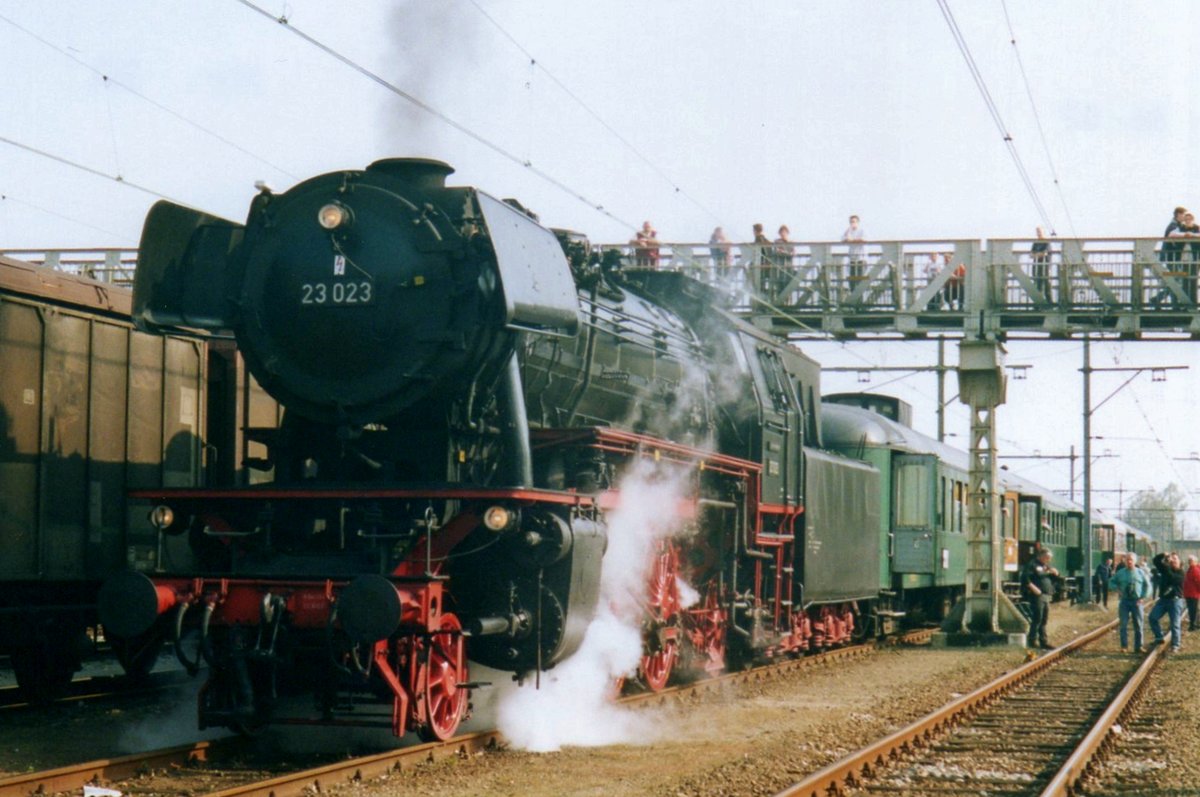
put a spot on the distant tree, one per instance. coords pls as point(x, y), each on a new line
point(1158, 512)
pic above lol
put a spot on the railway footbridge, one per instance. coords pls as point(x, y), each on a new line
point(1122, 287)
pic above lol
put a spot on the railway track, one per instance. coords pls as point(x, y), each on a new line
point(107, 770)
point(1035, 730)
point(305, 782)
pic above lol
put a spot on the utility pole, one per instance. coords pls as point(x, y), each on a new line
point(1158, 373)
point(1087, 470)
point(941, 377)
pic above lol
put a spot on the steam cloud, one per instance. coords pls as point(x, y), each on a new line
point(574, 705)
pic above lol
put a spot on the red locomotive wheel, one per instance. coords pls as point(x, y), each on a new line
point(656, 668)
point(658, 662)
point(445, 701)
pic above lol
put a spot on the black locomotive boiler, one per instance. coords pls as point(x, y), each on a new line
point(463, 390)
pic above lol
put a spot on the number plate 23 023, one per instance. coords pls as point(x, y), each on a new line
point(339, 293)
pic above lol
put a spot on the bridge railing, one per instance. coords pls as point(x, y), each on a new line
point(115, 266)
point(939, 276)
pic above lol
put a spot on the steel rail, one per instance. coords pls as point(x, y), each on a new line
point(1099, 739)
point(75, 776)
point(302, 782)
point(316, 781)
point(847, 772)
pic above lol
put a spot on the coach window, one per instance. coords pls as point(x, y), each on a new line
point(944, 503)
point(939, 522)
point(1029, 522)
point(912, 495)
point(956, 505)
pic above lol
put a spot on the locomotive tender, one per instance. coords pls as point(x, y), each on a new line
point(462, 392)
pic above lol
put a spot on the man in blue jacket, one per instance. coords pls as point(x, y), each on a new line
point(1131, 587)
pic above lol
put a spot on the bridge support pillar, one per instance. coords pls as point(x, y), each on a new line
point(985, 615)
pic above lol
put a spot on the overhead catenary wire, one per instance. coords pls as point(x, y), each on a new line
point(1037, 118)
point(432, 111)
point(1158, 441)
point(57, 214)
point(1155, 436)
point(95, 172)
point(110, 80)
point(977, 76)
point(537, 64)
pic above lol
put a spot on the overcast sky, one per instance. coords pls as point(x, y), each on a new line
point(731, 113)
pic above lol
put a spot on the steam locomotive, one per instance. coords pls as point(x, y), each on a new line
point(463, 390)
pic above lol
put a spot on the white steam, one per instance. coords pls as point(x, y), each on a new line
point(688, 596)
point(574, 705)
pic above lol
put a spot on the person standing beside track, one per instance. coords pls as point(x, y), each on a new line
point(1037, 586)
point(1191, 591)
point(1170, 599)
point(1100, 580)
point(1132, 587)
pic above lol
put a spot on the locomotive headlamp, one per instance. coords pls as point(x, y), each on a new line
point(499, 518)
point(333, 215)
point(161, 517)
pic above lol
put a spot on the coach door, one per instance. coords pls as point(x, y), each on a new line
point(915, 513)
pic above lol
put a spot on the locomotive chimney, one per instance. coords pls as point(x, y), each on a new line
point(424, 173)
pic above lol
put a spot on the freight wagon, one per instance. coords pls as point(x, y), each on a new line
point(89, 409)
